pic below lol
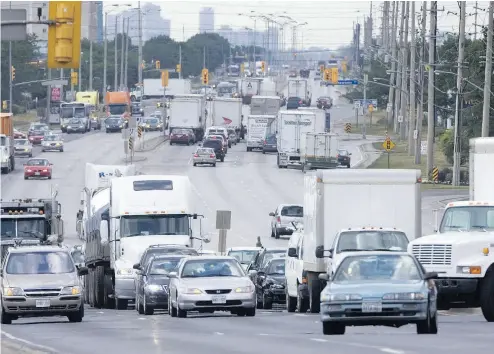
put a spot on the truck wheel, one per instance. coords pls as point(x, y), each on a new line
point(487, 297)
point(99, 282)
point(314, 295)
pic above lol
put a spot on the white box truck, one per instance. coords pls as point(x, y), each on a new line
point(346, 200)
point(291, 126)
point(258, 127)
point(318, 151)
point(300, 88)
point(178, 87)
point(227, 112)
point(188, 112)
point(265, 105)
point(151, 88)
point(250, 87)
point(462, 249)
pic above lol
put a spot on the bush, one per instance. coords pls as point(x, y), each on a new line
point(16, 109)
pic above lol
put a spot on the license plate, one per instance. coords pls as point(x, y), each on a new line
point(219, 299)
point(372, 307)
point(43, 303)
point(36, 173)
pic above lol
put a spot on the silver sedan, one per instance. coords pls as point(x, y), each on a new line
point(211, 283)
point(23, 148)
point(204, 156)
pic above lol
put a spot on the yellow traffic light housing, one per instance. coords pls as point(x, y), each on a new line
point(143, 64)
point(321, 68)
point(164, 78)
point(263, 67)
point(334, 75)
point(179, 68)
point(327, 75)
point(158, 65)
point(12, 72)
point(64, 38)
point(242, 68)
point(74, 78)
point(205, 76)
point(5, 105)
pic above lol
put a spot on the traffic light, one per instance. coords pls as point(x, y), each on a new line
point(321, 68)
point(205, 76)
point(64, 38)
point(242, 68)
point(263, 66)
point(179, 68)
point(158, 65)
point(143, 64)
point(12, 72)
point(74, 78)
point(5, 105)
point(164, 78)
point(334, 75)
point(327, 75)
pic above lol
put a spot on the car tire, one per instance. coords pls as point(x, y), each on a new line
point(429, 325)
point(106, 131)
point(77, 316)
point(333, 328)
point(140, 308)
point(222, 159)
point(61, 150)
point(172, 311)
point(31, 155)
point(49, 177)
point(250, 311)
point(348, 166)
point(121, 304)
point(267, 304)
point(239, 312)
point(43, 150)
point(291, 303)
point(194, 164)
point(214, 165)
point(264, 152)
point(302, 304)
point(276, 234)
point(181, 313)
point(25, 177)
point(6, 318)
point(148, 310)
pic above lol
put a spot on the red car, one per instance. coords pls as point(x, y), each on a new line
point(38, 168)
point(36, 136)
point(182, 136)
point(19, 134)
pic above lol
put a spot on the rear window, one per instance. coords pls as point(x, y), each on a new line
point(205, 151)
point(294, 99)
point(151, 185)
point(271, 139)
point(292, 210)
point(212, 143)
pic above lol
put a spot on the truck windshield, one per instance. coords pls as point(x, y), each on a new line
point(468, 218)
point(143, 225)
point(117, 109)
point(23, 228)
point(366, 240)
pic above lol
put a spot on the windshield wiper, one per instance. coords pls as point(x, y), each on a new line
point(167, 233)
point(31, 233)
point(479, 227)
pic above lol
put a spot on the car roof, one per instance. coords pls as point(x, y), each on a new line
point(244, 249)
point(211, 257)
point(379, 253)
point(275, 249)
point(289, 205)
point(43, 248)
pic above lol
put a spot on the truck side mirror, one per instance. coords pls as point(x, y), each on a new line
point(82, 271)
point(292, 252)
point(271, 214)
point(136, 266)
point(320, 252)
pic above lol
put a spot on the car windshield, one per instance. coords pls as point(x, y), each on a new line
point(21, 142)
point(342, 152)
point(294, 99)
point(467, 218)
point(113, 121)
point(271, 139)
point(75, 121)
point(52, 138)
point(276, 267)
point(39, 127)
point(152, 121)
point(244, 256)
point(231, 131)
point(271, 255)
point(368, 268)
point(37, 162)
point(39, 263)
point(293, 211)
point(368, 240)
point(163, 266)
point(211, 268)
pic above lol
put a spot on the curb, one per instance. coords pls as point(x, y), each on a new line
point(155, 142)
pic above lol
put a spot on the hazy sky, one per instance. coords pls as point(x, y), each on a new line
point(330, 23)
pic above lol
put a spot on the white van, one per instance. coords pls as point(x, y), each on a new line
point(215, 130)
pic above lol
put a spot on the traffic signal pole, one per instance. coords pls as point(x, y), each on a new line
point(11, 73)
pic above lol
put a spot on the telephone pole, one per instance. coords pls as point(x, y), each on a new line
point(413, 48)
point(488, 73)
point(459, 97)
point(420, 105)
point(180, 60)
point(391, 94)
point(400, 67)
point(122, 54)
point(404, 83)
point(475, 21)
point(126, 67)
point(115, 65)
point(430, 89)
point(139, 64)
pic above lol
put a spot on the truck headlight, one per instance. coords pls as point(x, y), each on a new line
point(71, 290)
point(13, 292)
point(469, 269)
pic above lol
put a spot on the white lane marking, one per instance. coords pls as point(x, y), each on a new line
point(318, 340)
point(26, 342)
point(391, 351)
point(219, 333)
point(299, 315)
point(101, 312)
point(264, 334)
point(141, 318)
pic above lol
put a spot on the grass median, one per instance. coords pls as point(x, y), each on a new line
point(22, 121)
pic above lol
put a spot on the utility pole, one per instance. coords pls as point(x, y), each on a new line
point(400, 68)
point(90, 64)
point(394, 24)
point(79, 77)
point(384, 29)
point(404, 82)
point(126, 69)
point(11, 72)
point(115, 83)
point(105, 55)
point(180, 60)
point(488, 73)
point(430, 89)
point(475, 21)
point(72, 85)
point(459, 97)
point(139, 64)
point(413, 77)
point(122, 54)
point(420, 104)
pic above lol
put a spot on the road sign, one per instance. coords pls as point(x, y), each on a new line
point(131, 143)
point(55, 83)
point(348, 127)
point(400, 119)
point(388, 145)
point(249, 85)
point(435, 174)
point(389, 107)
point(423, 147)
point(16, 32)
point(56, 94)
point(223, 219)
point(139, 131)
point(366, 103)
point(347, 82)
point(371, 108)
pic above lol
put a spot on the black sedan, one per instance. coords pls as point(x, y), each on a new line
point(270, 284)
point(76, 126)
point(344, 158)
point(294, 103)
point(114, 124)
point(152, 293)
point(324, 102)
point(270, 144)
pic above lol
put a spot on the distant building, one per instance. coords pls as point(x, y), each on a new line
point(89, 27)
point(242, 37)
point(206, 20)
point(99, 22)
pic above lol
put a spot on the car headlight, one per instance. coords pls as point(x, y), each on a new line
point(120, 126)
point(404, 296)
point(245, 289)
point(69, 127)
point(192, 291)
point(327, 297)
point(125, 271)
point(71, 290)
point(26, 149)
point(13, 292)
point(108, 126)
point(277, 286)
point(154, 287)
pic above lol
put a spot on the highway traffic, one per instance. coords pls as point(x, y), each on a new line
point(251, 186)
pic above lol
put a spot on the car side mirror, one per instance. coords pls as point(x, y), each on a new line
point(137, 266)
point(82, 271)
point(172, 275)
point(292, 252)
point(324, 277)
point(271, 214)
point(51, 164)
point(350, 154)
point(252, 273)
point(261, 273)
point(1, 272)
point(430, 275)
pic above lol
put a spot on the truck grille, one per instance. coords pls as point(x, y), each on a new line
point(433, 254)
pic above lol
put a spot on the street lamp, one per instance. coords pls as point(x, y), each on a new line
point(294, 35)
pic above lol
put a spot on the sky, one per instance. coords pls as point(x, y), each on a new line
point(329, 23)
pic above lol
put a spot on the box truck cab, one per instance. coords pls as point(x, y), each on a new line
point(462, 249)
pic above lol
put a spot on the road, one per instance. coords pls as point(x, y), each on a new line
point(250, 185)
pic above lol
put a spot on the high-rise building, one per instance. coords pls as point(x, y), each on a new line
point(31, 7)
point(89, 27)
point(99, 22)
point(206, 20)
point(242, 37)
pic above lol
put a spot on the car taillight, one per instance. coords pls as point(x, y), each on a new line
point(278, 219)
point(195, 155)
point(337, 156)
point(265, 142)
point(212, 155)
point(299, 102)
